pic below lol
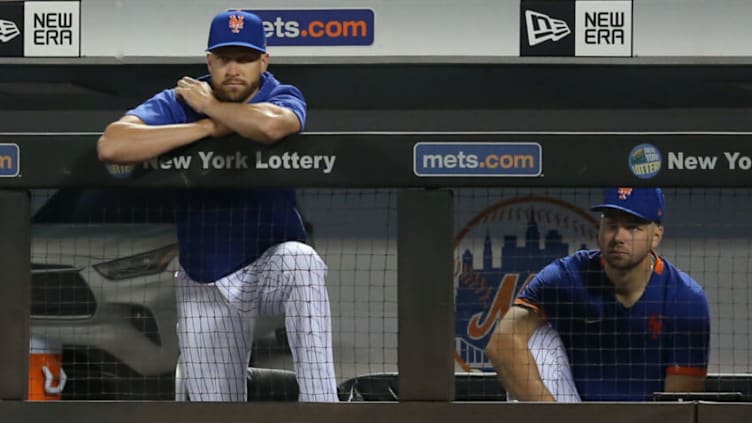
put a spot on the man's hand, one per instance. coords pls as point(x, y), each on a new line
point(198, 94)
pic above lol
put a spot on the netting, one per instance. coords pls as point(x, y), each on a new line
point(506, 236)
point(104, 292)
point(103, 283)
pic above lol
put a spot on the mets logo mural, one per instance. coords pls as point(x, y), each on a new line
point(497, 252)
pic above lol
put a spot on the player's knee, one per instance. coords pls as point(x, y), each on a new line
point(303, 260)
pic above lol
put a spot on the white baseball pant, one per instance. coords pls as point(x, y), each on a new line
point(553, 364)
point(216, 322)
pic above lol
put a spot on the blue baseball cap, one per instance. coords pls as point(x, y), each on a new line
point(645, 203)
point(237, 28)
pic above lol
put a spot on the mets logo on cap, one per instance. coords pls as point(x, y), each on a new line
point(235, 23)
point(624, 192)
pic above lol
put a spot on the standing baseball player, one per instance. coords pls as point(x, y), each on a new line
point(241, 250)
point(632, 323)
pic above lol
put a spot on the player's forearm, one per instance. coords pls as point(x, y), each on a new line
point(262, 122)
point(128, 142)
point(517, 369)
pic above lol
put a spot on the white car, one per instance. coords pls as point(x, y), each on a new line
point(103, 264)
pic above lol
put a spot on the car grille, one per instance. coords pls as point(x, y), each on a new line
point(60, 292)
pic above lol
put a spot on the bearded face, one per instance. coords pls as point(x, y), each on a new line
point(625, 240)
point(235, 90)
point(236, 72)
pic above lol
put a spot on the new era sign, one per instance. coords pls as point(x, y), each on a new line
point(11, 29)
point(604, 28)
point(576, 28)
point(542, 28)
point(546, 28)
point(40, 29)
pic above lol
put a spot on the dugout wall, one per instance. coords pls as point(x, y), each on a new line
point(585, 134)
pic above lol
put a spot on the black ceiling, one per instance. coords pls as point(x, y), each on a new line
point(401, 86)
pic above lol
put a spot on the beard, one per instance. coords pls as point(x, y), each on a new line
point(623, 260)
point(623, 263)
point(230, 95)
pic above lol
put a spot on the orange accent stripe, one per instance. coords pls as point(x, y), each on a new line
point(687, 371)
point(659, 265)
point(534, 307)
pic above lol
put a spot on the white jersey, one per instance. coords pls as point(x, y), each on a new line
point(553, 364)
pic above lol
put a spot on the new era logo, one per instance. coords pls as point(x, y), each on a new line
point(8, 31)
point(542, 28)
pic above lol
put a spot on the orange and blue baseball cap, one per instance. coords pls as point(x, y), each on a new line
point(237, 28)
point(645, 203)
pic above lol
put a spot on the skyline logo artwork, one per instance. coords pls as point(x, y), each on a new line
point(497, 252)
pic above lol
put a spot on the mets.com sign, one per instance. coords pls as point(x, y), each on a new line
point(318, 27)
point(10, 157)
point(483, 159)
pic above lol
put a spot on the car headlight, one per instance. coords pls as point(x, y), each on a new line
point(147, 263)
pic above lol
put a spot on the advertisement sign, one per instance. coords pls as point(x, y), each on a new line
point(40, 29)
point(10, 157)
point(477, 159)
point(11, 29)
point(576, 28)
point(51, 29)
point(321, 27)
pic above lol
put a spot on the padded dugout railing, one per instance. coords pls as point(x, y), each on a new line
point(425, 229)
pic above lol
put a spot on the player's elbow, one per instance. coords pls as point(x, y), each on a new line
point(277, 126)
point(105, 149)
point(108, 147)
point(499, 346)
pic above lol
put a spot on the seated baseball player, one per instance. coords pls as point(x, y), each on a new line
point(630, 323)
